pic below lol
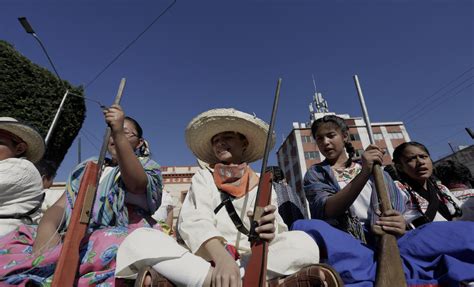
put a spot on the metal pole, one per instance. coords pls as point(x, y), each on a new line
point(79, 150)
point(389, 264)
point(29, 30)
point(364, 110)
point(56, 117)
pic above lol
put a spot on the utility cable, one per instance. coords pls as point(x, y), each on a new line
point(129, 45)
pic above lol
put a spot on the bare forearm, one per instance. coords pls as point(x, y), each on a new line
point(132, 172)
point(337, 204)
point(47, 235)
point(213, 249)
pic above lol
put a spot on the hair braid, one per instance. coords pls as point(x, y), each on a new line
point(350, 151)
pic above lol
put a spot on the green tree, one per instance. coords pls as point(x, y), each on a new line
point(32, 94)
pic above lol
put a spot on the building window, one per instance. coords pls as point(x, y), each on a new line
point(311, 155)
point(307, 139)
point(378, 136)
point(395, 135)
point(355, 137)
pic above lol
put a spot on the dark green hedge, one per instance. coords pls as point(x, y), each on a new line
point(32, 94)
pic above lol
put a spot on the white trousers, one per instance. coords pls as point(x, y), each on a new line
point(151, 247)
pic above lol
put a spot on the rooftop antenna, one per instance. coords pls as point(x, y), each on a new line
point(316, 97)
point(314, 83)
point(319, 104)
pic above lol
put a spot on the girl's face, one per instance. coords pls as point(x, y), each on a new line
point(132, 136)
point(416, 163)
point(330, 141)
point(229, 147)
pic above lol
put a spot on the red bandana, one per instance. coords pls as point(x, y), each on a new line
point(232, 179)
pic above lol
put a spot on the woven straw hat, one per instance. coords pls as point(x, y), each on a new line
point(202, 128)
point(28, 134)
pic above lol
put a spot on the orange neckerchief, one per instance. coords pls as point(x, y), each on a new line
point(232, 179)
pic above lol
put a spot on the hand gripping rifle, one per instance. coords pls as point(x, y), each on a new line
point(256, 270)
point(67, 265)
point(389, 263)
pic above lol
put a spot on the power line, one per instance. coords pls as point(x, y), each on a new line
point(442, 88)
point(91, 134)
point(129, 45)
point(442, 125)
point(422, 107)
point(88, 139)
point(432, 107)
point(444, 139)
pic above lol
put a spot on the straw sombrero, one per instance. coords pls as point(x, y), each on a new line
point(202, 128)
point(28, 134)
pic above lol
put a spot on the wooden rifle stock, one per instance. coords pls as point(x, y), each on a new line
point(389, 264)
point(66, 267)
point(68, 262)
point(256, 270)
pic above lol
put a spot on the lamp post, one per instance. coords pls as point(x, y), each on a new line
point(30, 30)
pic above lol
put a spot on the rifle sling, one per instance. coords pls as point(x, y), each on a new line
point(227, 202)
point(25, 215)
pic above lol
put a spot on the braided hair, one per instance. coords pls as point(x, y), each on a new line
point(144, 149)
point(342, 126)
point(432, 187)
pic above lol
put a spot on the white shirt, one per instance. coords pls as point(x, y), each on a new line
point(21, 190)
point(198, 223)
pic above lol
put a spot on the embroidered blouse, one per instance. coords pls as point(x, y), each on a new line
point(320, 183)
point(417, 205)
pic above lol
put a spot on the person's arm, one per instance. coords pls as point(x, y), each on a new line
point(169, 217)
point(226, 271)
point(337, 204)
point(47, 235)
point(132, 172)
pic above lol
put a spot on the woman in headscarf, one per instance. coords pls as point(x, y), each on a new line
point(129, 192)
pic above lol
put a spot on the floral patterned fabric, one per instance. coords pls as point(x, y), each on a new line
point(112, 220)
point(18, 266)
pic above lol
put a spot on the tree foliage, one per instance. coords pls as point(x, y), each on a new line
point(32, 94)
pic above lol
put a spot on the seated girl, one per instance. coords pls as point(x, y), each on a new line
point(21, 190)
point(341, 194)
point(428, 201)
point(219, 250)
point(128, 193)
point(458, 178)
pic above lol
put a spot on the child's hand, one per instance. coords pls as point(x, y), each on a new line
point(391, 222)
point(114, 117)
point(372, 154)
point(266, 224)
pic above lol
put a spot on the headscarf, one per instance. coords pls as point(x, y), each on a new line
point(109, 205)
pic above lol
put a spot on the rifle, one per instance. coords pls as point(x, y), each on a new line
point(389, 264)
point(256, 270)
point(68, 262)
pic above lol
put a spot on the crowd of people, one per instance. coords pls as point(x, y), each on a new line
point(324, 235)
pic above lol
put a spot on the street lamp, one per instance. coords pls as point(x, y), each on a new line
point(30, 30)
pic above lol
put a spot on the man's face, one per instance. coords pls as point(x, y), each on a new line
point(10, 148)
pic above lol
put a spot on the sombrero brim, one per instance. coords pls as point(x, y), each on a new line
point(202, 128)
point(29, 135)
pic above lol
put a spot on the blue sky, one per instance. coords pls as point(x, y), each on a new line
point(208, 54)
